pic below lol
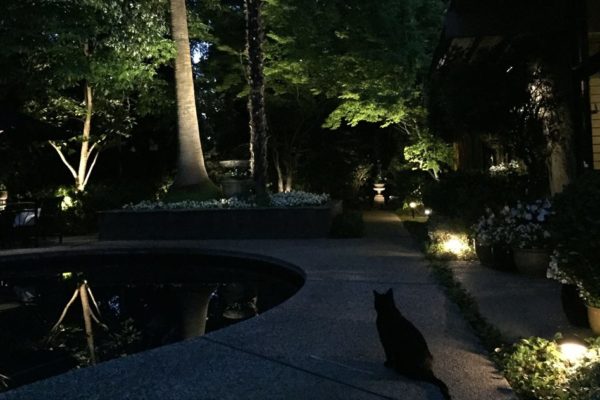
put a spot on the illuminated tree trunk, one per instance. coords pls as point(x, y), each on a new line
point(87, 321)
point(551, 93)
point(84, 169)
point(191, 170)
point(256, 100)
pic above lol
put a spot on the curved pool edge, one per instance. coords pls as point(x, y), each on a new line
point(267, 265)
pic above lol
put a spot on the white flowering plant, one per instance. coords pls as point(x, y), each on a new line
point(298, 199)
point(528, 224)
point(278, 200)
point(483, 230)
point(558, 268)
point(493, 228)
point(512, 167)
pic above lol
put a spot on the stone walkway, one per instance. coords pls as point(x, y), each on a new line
point(320, 344)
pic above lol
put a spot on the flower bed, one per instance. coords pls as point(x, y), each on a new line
point(293, 215)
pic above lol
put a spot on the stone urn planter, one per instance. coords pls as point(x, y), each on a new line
point(594, 319)
point(3, 199)
point(573, 306)
point(236, 181)
point(532, 262)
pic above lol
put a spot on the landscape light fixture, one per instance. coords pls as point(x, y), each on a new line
point(455, 245)
point(572, 349)
point(428, 211)
point(412, 206)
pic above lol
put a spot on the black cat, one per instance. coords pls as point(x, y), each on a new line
point(405, 348)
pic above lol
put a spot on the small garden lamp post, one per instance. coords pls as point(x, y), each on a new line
point(428, 212)
point(412, 205)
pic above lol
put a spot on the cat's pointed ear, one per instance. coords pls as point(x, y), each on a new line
point(376, 293)
point(390, 292)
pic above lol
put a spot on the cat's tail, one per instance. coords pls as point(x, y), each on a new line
point(431, 378)
point(440, 384)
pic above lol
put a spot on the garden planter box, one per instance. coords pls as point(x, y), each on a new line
point(249, 223)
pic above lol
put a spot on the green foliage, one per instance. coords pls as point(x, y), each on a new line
point(448, 239)
point(575, 228)
point(53, 50)
point(348, 224)
point(368, 56)
point(536, 369)
point(82, 216)
point(429, 153)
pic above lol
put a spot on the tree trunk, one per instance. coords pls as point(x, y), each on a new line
point(194, 309)
point(551, 92)
point(561, 159)
point(191, 170)
point(87, 320)
point(256, 100)
point(85, 139)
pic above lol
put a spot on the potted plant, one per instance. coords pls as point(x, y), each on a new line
point(529, 237)
point(483, 234)
point(575, 230)
point(573, 306)
point(492, 239)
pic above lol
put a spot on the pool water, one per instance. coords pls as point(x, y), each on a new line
point(141, 301)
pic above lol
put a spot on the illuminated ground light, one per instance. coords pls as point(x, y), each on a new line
point(572, 352)
point(456, 245)
point(428, 211)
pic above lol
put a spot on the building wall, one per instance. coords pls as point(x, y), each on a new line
point(595, 106)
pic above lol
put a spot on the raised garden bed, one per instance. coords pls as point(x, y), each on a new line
point(230, 223)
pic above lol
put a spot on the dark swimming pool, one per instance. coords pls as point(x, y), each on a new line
point(124, 301)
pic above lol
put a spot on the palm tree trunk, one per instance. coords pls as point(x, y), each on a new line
point(191, 170)
point(256, 101)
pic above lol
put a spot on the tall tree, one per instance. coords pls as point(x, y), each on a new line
point(192, 178)
point(255, 36)
point(84, 67)
point(371, 57)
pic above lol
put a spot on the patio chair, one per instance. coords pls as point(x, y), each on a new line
point(19, 222)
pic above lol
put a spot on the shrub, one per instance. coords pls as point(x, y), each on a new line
point(536, 369)
point(575, 229)
point(449, 239)
point(466, 195)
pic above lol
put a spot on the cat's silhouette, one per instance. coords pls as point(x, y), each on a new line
point(405, 347)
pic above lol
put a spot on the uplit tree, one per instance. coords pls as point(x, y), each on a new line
point(192, 178)
point(85, 67)
point(255, 37)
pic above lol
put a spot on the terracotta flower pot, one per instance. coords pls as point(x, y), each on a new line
point(594, 318)
point(484, 253)
point(533, 262)
point(503, 258)
point(573, 306)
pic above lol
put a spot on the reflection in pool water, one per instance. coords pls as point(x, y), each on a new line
point(119, 304)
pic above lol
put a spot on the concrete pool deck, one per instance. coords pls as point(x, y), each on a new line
point(320, 344)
